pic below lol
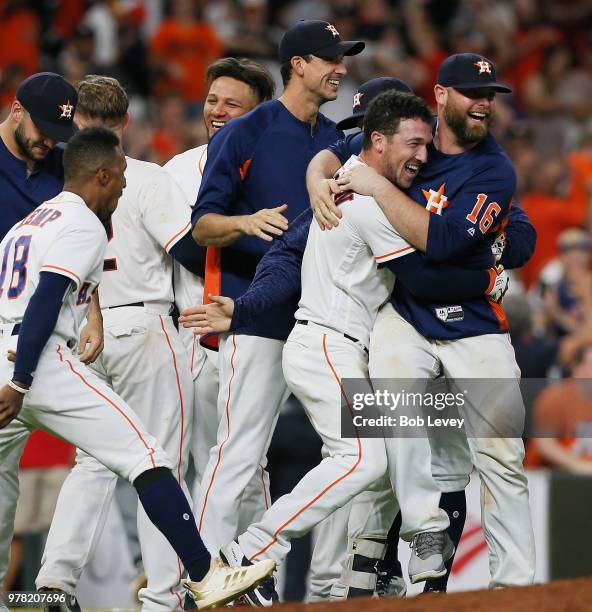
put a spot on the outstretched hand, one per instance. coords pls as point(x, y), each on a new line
point(209, 318)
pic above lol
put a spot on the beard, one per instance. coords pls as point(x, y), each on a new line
point(26, 145)
point(458, 123)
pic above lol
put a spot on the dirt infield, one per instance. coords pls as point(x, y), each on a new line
point(559, 596)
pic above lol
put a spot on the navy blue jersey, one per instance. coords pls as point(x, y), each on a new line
point(21, 193)
point(258, 161)
point(470, 195)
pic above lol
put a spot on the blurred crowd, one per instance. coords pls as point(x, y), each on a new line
point(160, 49)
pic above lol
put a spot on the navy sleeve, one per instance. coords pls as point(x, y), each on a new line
point(480, 206)
point(277, 278)
point(189, 254)
point(38, 323)
point(440, 283)
point(229, 153)
point(348, 146)
point(520, 238)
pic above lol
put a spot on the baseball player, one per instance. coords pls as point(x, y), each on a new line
point(252, 187)
point(53, 261)
point(144, 359)
point(277, 279)
point(476, 177)
point(236, 86)
point(30, 173)
point(320, 344)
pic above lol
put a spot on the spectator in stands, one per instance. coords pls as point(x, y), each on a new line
point(567, 283)
point(551, 211)
point(563, 420)
point(19, 46)
point(182, 47)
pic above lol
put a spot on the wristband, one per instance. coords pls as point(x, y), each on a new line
point(17, 388)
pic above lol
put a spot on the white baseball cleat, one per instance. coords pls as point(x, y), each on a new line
point(223, 584)
point(431, 550)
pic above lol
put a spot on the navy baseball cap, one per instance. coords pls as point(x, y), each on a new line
point(469, 71)
point(366, 93)
point(314, 37)
point(51, 102)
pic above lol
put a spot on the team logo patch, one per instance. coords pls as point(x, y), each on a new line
point(358, 98)
point(66, 110)
point(436, 200)
point(483, 66)
point(450, 314)
point(332, 29)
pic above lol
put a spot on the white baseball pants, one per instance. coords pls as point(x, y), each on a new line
point(315, 360)
point(235, 486)
point(397, 349)
point(145, 362)
point(68, 400)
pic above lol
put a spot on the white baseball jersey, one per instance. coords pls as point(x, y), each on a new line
point(63, 236)
point(187, 170)
point(138, 268)
point(342, 286)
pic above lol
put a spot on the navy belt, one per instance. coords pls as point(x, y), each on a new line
point(354, 340)
point(17, 328)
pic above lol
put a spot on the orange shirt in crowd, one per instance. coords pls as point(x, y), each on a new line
point(580, 164)
point(550, 215)
point(192, 47)
point(19, 47)
point(19, 33)
point(45, 451)
point(563, 412)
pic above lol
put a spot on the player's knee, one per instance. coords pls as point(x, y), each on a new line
point(149, 477)
point(374, 467)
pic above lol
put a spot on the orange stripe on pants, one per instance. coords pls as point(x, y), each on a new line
point(335, 482)
point(227, 434)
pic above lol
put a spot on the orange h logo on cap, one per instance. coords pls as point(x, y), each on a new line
point(483, 66)
point(66, 110)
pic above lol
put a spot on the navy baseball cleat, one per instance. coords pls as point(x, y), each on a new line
point(69, 603)
point(389, 580)
point(264, 595)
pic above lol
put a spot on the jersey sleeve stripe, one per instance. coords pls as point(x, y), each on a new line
point(178, 235)
point(393, 253)
point(63, 271)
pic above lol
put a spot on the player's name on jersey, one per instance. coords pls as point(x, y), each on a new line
point(407, 421)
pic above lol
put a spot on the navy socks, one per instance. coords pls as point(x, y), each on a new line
point(168, 508)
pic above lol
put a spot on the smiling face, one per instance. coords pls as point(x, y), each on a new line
point(323, 76)
point(468, 113)
point(32, 144)
point(227, 98)
point(405, 152)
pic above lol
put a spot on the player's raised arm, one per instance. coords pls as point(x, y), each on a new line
point(320, 183)
point(410, 220)
point(229, 156)
point(321, 187)
point(277, 279)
